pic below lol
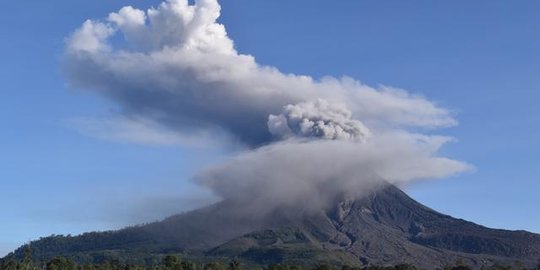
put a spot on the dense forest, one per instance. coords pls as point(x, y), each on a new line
point(174, 262)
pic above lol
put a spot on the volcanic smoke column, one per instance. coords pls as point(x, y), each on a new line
point(317, 119)
point(174, 70)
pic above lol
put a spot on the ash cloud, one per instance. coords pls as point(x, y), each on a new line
point(175, 67)
point(318, 119)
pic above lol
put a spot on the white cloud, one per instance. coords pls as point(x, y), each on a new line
point(90, 38)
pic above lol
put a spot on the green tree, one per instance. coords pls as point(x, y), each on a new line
point(27, 263)
point(88, 267)
point(9, 265)
point(277, 267)
point(235, 265)
point(171, 262)
point(214, 266)
point(323, 266)
point(404, 267)
point(61, 263)
point(187, 265)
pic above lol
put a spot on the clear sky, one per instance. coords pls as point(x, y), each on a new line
point(481, 59)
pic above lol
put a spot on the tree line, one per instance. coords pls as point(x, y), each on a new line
point(173, 262)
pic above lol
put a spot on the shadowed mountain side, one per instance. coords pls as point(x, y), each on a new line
point(385, 227)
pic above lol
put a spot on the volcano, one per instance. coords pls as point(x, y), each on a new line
point(385, 227)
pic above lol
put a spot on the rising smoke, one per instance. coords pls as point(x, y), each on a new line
point(304, 139)
point(317, 119)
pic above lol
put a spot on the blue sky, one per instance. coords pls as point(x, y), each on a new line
point(479, 59)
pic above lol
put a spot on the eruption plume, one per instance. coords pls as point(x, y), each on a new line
point(174, 67)
point(317, 119)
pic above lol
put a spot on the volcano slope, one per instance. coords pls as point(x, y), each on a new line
point(383, 228)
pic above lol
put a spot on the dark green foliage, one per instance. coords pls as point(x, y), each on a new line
point(9, 265)
point(60, 263)
point(323, 267)
point(27, 263)
point(214, 266)
point(277, 267)
point(234, 265)
point(395, 267)
point(187, 265)
point(504, 267)
point(173, 262)
point(285, 267)
point(404, 267)
point(461, 267)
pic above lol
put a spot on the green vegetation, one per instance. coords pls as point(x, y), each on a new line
point(174, 262)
